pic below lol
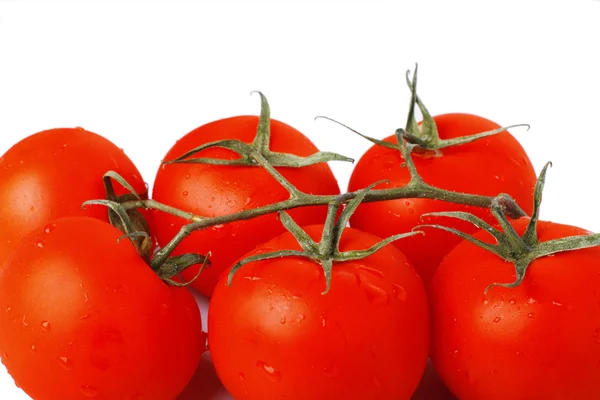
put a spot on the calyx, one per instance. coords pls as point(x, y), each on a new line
point(519, 250)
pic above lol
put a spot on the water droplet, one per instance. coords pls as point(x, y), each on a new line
point(530, 315)
point(596, 335)
point(330, 371)
point(399, 292)
point(486, 301)
point(248, 200)
point(531, 301)
point(269, 371)
point(46, 326)
point(411, 211)
point(375, 294)
point(122, 288)
point(497, 319)
point(512, 301)
point(65, 145)
point(283, 320)
point(39, 244)
point(65, 363)
point(25, 323)
point(242, 376)
point(86, 316)
point(185, 193)
point(556, 303)
point(89, 391)
point(8, 309)
point(323, 321)
point(85, 297)
point(376, 382)
point(301, 317)
point(78, 128)
point(49, 228)
point(407, 203)
point(371, 270)
point(187, 176)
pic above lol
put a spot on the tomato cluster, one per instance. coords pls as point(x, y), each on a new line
point(301, 306)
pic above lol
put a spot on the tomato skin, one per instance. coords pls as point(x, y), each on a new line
point(489, 166)
point(272, 334)
point(83, 316)
point(210, 191)
point(50, 174)
point(540, 340)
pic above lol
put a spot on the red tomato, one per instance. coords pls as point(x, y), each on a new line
point(489, 166)
point(83, 316)
point(273, 335)
point(50, 174)
point(540, 340)
point(210, 191)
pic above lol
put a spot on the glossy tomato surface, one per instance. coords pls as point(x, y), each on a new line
point(82, 316)
point(488, 166)
point(540, 340)
point(274, 335)
point(50, 174)
point(210, 191)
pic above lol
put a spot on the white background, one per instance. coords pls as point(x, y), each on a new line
point(145, 73)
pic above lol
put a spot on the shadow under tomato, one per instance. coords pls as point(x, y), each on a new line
point(205, 384)
point(432, 387)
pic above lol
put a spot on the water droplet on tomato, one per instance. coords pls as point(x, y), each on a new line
point(39, 244)
point(597, 335)
point(8, 309)
point(49, 228)
point(248, 200)
point(33, 347)
point(269, 371)
point(370, 270)
point(399, 292)
point(122, 288)
point(330, 371)
point(65, 363)
point(407, 203)
point(557, 304)
point(530, 315)
point(301, 317)
point(376, 295)
point(512, 301)
point(242, 376)
point(375, 381)
point(497, 319)
point(25, 323)
point(283, 320)
point(86, 316)
point(185, 193)
point(85, 297)
point(89, 391)
point(78, 128)
point(46, 326)
point(187, 176)
point(323, 321)
point(531, 301)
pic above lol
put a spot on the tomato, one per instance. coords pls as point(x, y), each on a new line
point(82, 315)
point(50, 174)
point(488, 166)
point(539, 340)
point(274, 335)
point(210, 191)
